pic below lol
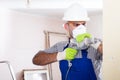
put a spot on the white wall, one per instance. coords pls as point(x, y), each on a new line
point(4, 29)
point(24, 37)
point(95, 25)
point(111, 19)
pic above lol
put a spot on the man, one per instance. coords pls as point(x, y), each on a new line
point(76, 18)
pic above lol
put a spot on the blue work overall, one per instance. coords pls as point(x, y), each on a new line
point(81, 68)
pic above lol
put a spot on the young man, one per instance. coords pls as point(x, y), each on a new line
point(68, 52)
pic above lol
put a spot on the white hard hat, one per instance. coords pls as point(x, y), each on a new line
point(76, 13)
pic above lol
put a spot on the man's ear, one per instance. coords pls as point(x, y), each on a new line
point(65, 26)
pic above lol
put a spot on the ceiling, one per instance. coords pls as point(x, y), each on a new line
point(52, 12)
point(50, 7)
point(50, 3)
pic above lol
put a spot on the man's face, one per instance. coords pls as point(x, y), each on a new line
point(71, 25)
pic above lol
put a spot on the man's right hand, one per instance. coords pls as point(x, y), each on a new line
point(67, 54)
point(81, 37)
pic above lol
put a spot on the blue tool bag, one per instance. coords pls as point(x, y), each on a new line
point(80, 69)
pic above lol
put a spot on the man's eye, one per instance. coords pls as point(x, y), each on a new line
point(77, 24)
point(83, 24)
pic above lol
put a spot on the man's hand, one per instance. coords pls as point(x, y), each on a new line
point(68, 54)
point(81, 37)
point(98, 46)
point(95, 43)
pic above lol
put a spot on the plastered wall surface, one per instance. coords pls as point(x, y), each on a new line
point(111, 38)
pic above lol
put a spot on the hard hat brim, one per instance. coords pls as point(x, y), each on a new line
point(69, 19)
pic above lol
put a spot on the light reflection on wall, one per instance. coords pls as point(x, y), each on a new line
point(4, 29)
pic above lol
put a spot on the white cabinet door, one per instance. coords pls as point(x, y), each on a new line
point(55, 66)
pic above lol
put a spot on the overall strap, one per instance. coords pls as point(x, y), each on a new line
point(66, 46)
point(84, 53)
